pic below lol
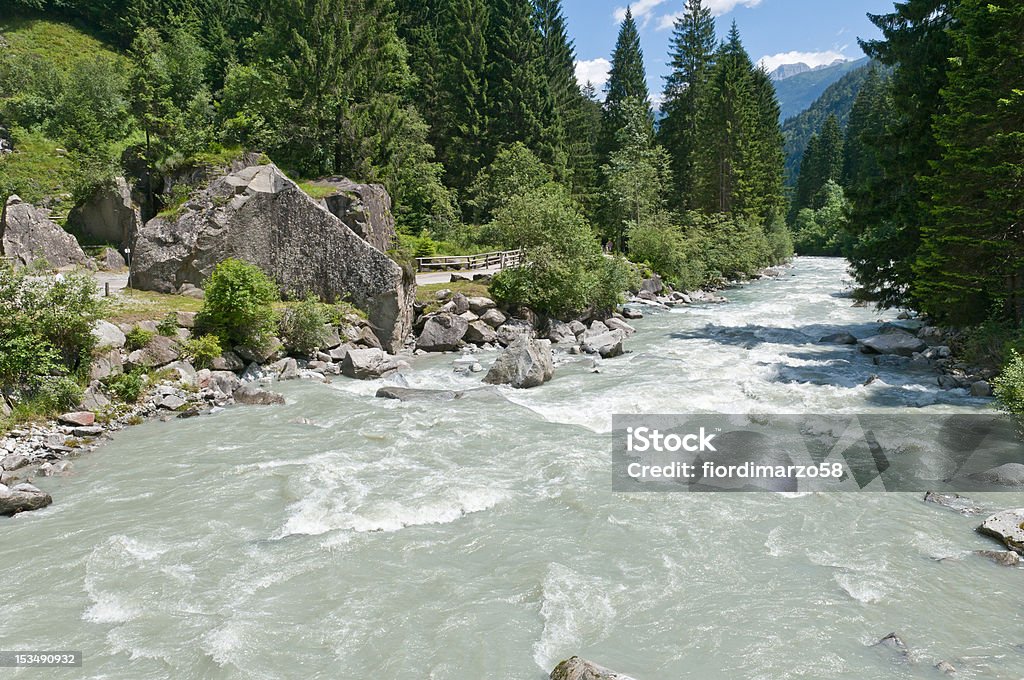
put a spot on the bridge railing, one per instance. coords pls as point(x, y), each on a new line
point(502, 259)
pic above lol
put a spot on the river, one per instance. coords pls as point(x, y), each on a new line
point(480, 538)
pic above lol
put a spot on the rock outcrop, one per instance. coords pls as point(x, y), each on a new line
point(525, 363)
point(575, 668)
point(1008, 527)
point(363, 208)
point(27, 234)
point(110, 215)
point(259, 215)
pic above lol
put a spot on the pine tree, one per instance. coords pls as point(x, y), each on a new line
point(860, 162)
point(768, 160)
point(692, 57)
point(917, 44)
point(627, 81)
point(521, 107)
point(822, 163)
point(971, 263)
point(728, 118)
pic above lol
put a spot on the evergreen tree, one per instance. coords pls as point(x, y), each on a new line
point(860, 162)
point(822, 163)
point(627, 81)
point(917, 45)
point(971, 264)
point(520, 99)
point(691, 59)
point(768, 160)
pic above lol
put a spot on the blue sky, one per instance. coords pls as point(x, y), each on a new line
point(779, 31)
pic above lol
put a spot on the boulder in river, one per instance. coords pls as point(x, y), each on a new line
point(894, 642)
point(1004, 558)
point(842, 338)
point(368, 364)
point(409, 394)
point(575, 668)
point(961, 504)
point(22, 498)
point(1008, 527)
point(252, 394)
point(442, 333)
point(607, 345)
point(27, 234)
point(479, 333)
point(259, 215)
point(525, 363)
point(1010, 474)
point(898, 343)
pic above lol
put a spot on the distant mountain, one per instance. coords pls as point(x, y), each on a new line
point(796, 93)
point(790, 70)
point(837, 99)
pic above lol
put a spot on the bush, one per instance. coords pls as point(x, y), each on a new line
point(302, 327)
point(238, 306)
point(515, 171)
point(57, 394)
point(1009, 386)
point(126, 387)
point(45, 328)
point(168, 326)
point(137, 338)
point(202, 350)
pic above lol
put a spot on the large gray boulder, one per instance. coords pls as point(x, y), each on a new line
point(896, 342)
point(1008, 527)
point(22, 498)
point(442, 333)
point(575, 668)
point(368, 364)
point(363, 208)
point(259, 215)
point(607, 345)
point(525, 363)
point(27, 234)
point(110, 215)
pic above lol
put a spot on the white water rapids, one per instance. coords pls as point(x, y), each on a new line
point(480, 538)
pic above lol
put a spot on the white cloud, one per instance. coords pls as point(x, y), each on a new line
point(593, 70)
point(642, 11)
point(812, 59)
point(717, 7)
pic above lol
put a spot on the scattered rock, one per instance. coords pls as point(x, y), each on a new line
point(1004, 558)
point(897, 342)
point(27, 234)
point(561, 333)
point(965, 506)
point(525, 363)
point(22, 498)
point(652, 285)
point(78, 418)
point(186, 319)
point(514, 329)
point(171, 402)
point(480, 305)
point(842, 338)
point(620, 325)
point(111, 261)
point(159, 352)
point(1010, 474)
point(902, 326)
point(459, 304)
point(106, 364)
point(480, 333)
point(575, 668)
point(1008, 527)
point(251, 394)
point(407, 394)
point(895, 642)
point(607, 345)
point(945, 667)
point(261, 355)
point(981, 388)
point(368, 364)
point(631, 313)
point(442, 333)
point(228, 361)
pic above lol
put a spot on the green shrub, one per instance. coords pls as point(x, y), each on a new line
point(1009, 386)
point(515, 171)
point(126, 387)
point(137, 338)
point(45, 328)
point(168, 326)
point(238, 306)
point(302, 327)
point(202, 351)
point(990, 343)
point(57, 394)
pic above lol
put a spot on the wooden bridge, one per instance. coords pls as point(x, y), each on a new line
point(497, 260)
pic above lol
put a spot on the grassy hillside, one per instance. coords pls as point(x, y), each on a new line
point(37, 60)
point(837, 99)
point(796, 94)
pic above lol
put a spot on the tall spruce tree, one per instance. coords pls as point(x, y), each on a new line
point(971, 263)
point(519, 94)
point(768, 159)
point(866, 124)
point(627, 81)
point(691, 58)
point(822, 163)
point(916, 43)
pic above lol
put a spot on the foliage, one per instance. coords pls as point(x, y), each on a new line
point(823, 231)
point(202, 350)
point(1009, 386)
point(302, 326)
point(515, 170)
point(138, 338)
point(45, 335)
point(627, 81)
point(238, 304)
point(168, 326)
point(661, 245)
point(126, 387)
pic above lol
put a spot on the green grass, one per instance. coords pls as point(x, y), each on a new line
point(133, 306)
point(61, 44)
point(428, 294)
point(36, 170)
point(316, 191)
